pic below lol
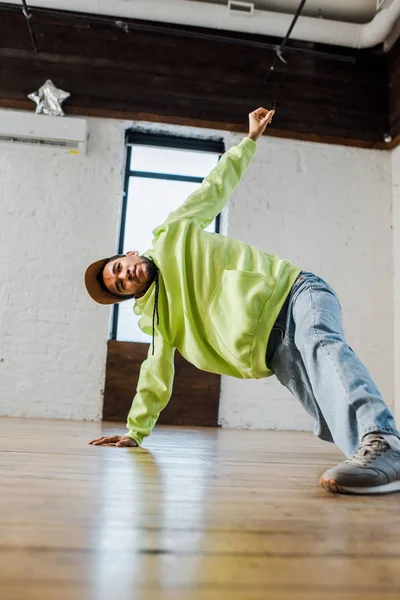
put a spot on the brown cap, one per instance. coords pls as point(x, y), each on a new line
point(95, 285)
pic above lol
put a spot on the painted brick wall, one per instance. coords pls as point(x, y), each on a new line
point(57, 213)
point(327, 208)
point(396, 286)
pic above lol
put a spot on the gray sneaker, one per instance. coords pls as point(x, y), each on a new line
point(374, 469)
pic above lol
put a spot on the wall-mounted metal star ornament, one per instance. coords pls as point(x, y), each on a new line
point(49, 99)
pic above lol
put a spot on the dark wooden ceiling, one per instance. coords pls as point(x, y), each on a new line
point(195, 76)
point(394, 92)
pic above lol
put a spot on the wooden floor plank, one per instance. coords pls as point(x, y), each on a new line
point(316, 542)
point(194, 514)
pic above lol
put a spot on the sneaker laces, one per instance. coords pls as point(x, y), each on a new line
point(372, 445)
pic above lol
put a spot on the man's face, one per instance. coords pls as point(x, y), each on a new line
point(128, 275)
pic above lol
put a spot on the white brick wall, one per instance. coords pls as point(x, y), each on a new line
point(327, 208)
point(396, 287)
point(57, 213)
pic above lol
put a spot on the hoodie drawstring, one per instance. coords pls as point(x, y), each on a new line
point(155, 309)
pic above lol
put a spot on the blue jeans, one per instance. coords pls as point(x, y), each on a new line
point(308, 354)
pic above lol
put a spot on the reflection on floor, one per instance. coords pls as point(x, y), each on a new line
point(194, 514)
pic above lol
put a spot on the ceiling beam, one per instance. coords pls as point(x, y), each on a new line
point(191, 80)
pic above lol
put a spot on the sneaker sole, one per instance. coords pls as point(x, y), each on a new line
point(332, 486)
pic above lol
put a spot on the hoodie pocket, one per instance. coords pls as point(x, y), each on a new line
point(234, 312)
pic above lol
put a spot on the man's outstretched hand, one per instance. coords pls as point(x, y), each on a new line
point(258, 120)
point(122, 441)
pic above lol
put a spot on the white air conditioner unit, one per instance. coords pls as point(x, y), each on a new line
point(63, 133)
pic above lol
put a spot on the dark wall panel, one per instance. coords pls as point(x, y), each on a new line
point(394, 90)
point(195, 396)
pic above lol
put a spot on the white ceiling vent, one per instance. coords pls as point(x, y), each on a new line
point(241, 8)
point(64, 133)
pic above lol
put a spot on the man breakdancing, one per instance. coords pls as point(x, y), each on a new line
point(232, 309)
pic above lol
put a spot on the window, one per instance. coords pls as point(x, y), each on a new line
point(161, 172)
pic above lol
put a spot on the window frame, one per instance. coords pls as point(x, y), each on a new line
point(136, 138)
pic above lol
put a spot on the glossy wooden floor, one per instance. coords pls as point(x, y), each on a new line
point(194, 515)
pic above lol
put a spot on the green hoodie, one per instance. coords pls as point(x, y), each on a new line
point(218, 297)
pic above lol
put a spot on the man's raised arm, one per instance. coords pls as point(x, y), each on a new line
point(208, 201)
